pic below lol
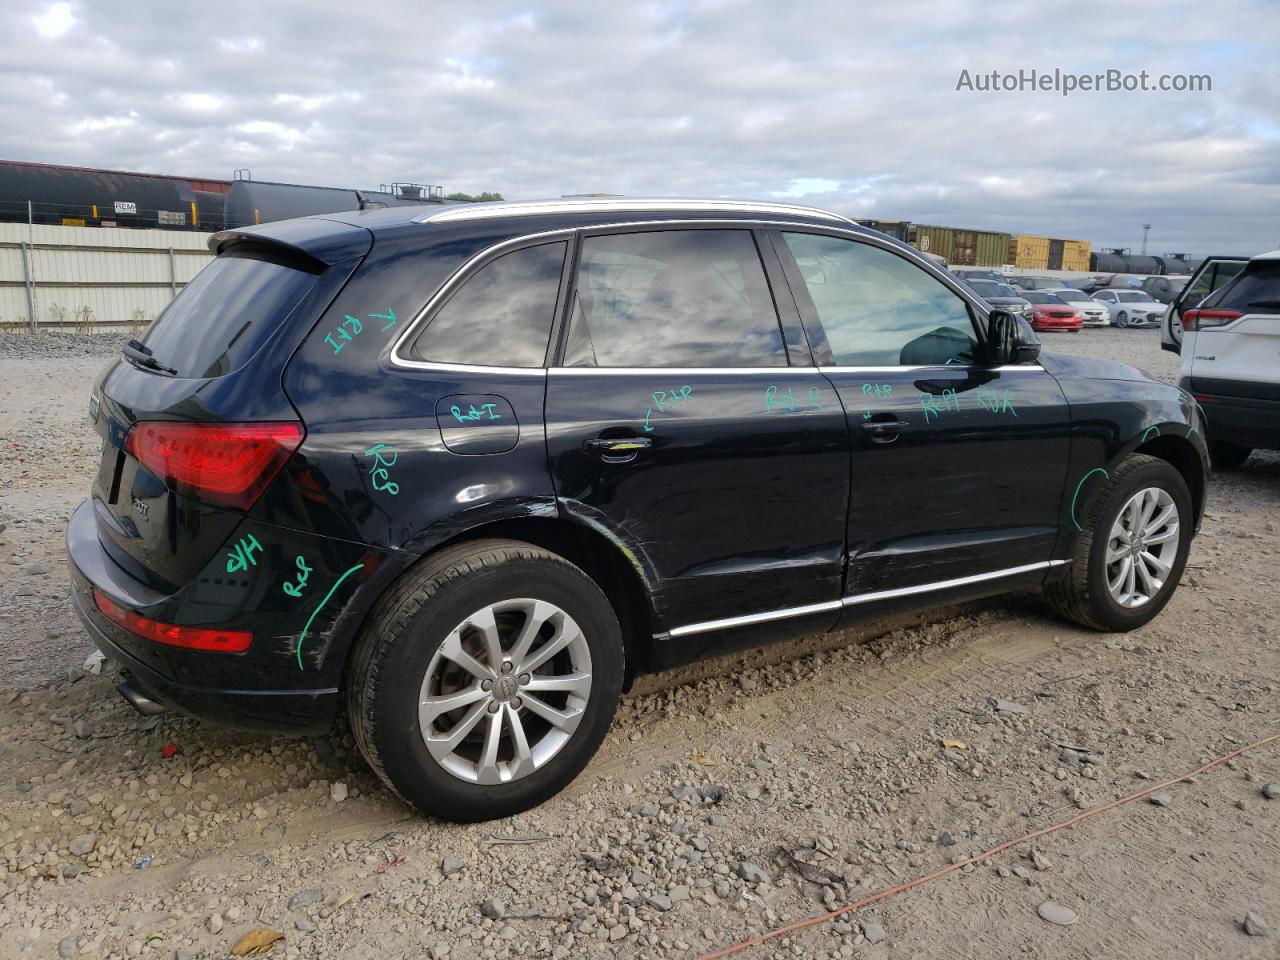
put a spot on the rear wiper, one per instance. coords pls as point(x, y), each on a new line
point(141, 355)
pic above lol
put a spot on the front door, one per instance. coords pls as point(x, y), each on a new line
point(678, 424)
point(958, 467)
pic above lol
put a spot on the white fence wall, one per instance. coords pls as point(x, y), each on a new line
point(106, 276)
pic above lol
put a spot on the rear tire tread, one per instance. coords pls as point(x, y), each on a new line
point(391, 615)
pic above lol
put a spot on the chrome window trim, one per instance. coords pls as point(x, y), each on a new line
point(740, 371)
point(475, 260)
point(619, 205)
point(788, 612)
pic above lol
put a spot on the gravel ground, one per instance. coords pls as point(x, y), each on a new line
point(728, 799)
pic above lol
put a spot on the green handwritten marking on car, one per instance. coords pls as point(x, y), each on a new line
point(877, 389)
point(356, 327)
point(473, 414)
point(866, 415)
point(786, 399)
point(1075, 495)
point(661, 398)
point(996, 401)
point(295, 587)
point(311, 619)
point(935, 406)
point(1146, 433)
point(241, 556)
point(381, 469)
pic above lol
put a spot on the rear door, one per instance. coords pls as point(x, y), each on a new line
point(1235, 348)
point(958, 467)
point(688, 424)
point(1211, 275)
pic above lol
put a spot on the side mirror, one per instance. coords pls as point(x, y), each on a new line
point(1009, 341)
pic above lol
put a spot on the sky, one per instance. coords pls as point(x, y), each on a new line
point(853, 107)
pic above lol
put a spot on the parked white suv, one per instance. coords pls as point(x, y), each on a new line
point(1231, 362)
point(1130, 308)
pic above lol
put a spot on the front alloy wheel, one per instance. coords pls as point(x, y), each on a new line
point(1142, 547)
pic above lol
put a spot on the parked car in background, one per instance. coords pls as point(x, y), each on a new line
point(1213, 272)
point(464, 475)
point(1231, 362)
point(1050, 313)
point(1092, 312)
point(1034, 283)
point(1164, 289)
point(1000, 295)
point(967, 275)
point(1130, 308)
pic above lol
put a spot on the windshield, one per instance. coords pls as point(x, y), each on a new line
point(1134, 297)
point(1072, 295)
point(1039, 296)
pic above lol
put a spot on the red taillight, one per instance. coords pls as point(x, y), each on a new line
point(227, 463)
point(1200, 319)
point(189, 638)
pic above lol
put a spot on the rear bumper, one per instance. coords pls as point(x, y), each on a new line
point(1247, 421)
point(262, 690)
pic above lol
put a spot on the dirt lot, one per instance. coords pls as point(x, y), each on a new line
point(778, 788)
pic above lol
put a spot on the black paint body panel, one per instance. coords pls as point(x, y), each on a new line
point(741, 506)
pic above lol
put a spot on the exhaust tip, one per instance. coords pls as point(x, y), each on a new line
point(144, 705)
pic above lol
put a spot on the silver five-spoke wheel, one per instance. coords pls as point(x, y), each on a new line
point(1142, 546)
point(505, 691)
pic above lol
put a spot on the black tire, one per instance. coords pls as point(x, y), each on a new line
point(1082, 595)
point(1122, 319)
point(410, 623)
point(1228, 456)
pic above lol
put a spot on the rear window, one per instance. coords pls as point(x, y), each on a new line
point(1256, 290)
point(225, 314)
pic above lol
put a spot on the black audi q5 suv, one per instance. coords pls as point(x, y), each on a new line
point(464, 474)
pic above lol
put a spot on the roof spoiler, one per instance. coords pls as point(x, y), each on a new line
point(309, 243)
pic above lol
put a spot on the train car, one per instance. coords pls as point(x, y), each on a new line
point(85, 197)
point(1121, 261)
point(260, 201)
point(961, 248)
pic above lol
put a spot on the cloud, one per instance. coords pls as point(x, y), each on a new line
point(698, 97)
point(55, 21)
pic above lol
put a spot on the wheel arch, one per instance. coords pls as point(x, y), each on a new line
point(1180, 453)
point(616, 569)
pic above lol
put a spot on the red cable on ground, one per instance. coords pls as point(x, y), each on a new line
point(952, 868)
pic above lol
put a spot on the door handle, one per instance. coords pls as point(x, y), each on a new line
point(617, 449)
point(884, 431)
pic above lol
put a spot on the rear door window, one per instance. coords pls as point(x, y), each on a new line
point(501, 316)
point(1256, 290)
point(880, 310)
point(226, 313)
point(673, 298)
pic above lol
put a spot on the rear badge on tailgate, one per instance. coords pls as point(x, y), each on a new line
point(140, 508)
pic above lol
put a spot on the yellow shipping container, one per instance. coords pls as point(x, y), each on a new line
point(1028, 252)
point(1075, 255)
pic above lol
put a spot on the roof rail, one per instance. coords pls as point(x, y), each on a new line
point(484, 211)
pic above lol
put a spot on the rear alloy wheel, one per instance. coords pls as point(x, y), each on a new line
point(506, 691)
point(485, 680)
point(1132, 547)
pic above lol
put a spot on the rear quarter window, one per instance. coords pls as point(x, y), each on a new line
point(223, 316)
